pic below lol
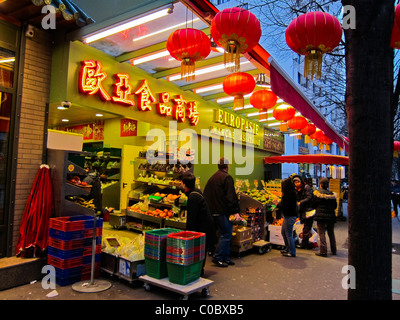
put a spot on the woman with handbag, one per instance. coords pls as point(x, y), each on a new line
point(324, 202)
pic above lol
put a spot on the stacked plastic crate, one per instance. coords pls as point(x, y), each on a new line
point(70, 248)
point(185, 256)
point(155, 249)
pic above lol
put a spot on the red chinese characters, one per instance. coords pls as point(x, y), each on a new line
point(91, 79)
point(162, 107)
point(122, 89)
point(146, 97)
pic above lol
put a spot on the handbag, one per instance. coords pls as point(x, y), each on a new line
point(310, 214)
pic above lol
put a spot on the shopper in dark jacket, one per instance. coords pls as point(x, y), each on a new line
point(288, 207)
point(222, 200)
point(324, 202)
point(198, 217)
point(304, 195)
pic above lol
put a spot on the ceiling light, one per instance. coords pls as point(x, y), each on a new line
point(150, 57)
point(275, 124)
point(127, 25)
point(61, 108)
point(230, 98)
point(294, 134)
point(165, 29)
point(198, 72)
point(7, 60)
point(64, 120)
point(208, 88)
point(98, 114)
point(247, 106)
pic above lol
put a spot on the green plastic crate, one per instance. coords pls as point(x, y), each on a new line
point(184, 274)
point(156, 268)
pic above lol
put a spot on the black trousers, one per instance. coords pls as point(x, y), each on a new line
point(308, 222)
point(396, 203)
point(324, 226)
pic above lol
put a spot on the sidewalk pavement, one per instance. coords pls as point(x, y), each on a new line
point(254, 277)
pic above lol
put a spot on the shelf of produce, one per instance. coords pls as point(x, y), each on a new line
point(72, 208)
point(169, 223)
point(77, 190)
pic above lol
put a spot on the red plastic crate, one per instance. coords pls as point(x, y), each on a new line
point(73, 223)
point(64, 263)
point(65, 244)
point(88, 250)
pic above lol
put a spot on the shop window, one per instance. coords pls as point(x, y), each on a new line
point(5, 112)
point(7, 62)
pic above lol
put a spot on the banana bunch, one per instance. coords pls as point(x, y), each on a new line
point(85, 203)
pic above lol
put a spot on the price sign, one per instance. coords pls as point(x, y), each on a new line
point(124, 267)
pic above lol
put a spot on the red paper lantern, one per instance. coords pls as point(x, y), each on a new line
point(316, 137)
point(188, 46)
point(238, 84)
point(297, 123)
point(263, 100)
point(283, 113)
point(327, 142)
point(395, 38)
point(237, 31)
point(308, 130)
point(313, 34)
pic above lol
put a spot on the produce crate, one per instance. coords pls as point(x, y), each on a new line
point(65, 254)
point(72, 223)
point(130, 270)
point(64, 263)
point(66, 235)
point(241, 233)
point(65, 244)
point(184, 274)
point(156, 268)
point(275, 235)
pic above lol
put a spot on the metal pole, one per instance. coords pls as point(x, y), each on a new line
point(93, 249)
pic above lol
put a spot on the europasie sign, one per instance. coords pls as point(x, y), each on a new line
point(92, 76)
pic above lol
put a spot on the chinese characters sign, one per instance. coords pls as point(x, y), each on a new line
point(92, 76)
point(128, 128)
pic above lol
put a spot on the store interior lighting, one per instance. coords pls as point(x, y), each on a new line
point(165, 29)
point(201, 71)
point(208, 88)
point(150, 57)
point(127, 25)
point(7, 60)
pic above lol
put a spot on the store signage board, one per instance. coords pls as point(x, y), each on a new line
point(92, 77)
point(274, 141)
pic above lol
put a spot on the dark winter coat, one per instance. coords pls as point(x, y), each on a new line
point(324, 202)
point(304, 196)
point(288, 203)
point(220, 194)
point(198, 216)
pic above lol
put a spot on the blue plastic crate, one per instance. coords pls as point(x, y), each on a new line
point(66, 235)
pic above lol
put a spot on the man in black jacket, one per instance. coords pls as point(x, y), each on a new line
point(222, 201)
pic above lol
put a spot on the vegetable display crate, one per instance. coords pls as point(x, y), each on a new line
point(65, 244)
point(156, 268)
point(184, 274)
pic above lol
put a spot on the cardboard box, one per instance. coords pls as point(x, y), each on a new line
point(242, 246)
point(275, 235)
point(241, 233)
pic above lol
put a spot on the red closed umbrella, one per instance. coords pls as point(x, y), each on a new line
point(34, 230)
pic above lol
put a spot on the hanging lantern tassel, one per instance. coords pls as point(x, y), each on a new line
point(264, 116)
point(395, 154)
point(313, 64)
point(327, 147)
point(315, 142)
point(232, 56)
point(284, 126)
point(187, 69)
point(238, 101)
point(307, 139)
